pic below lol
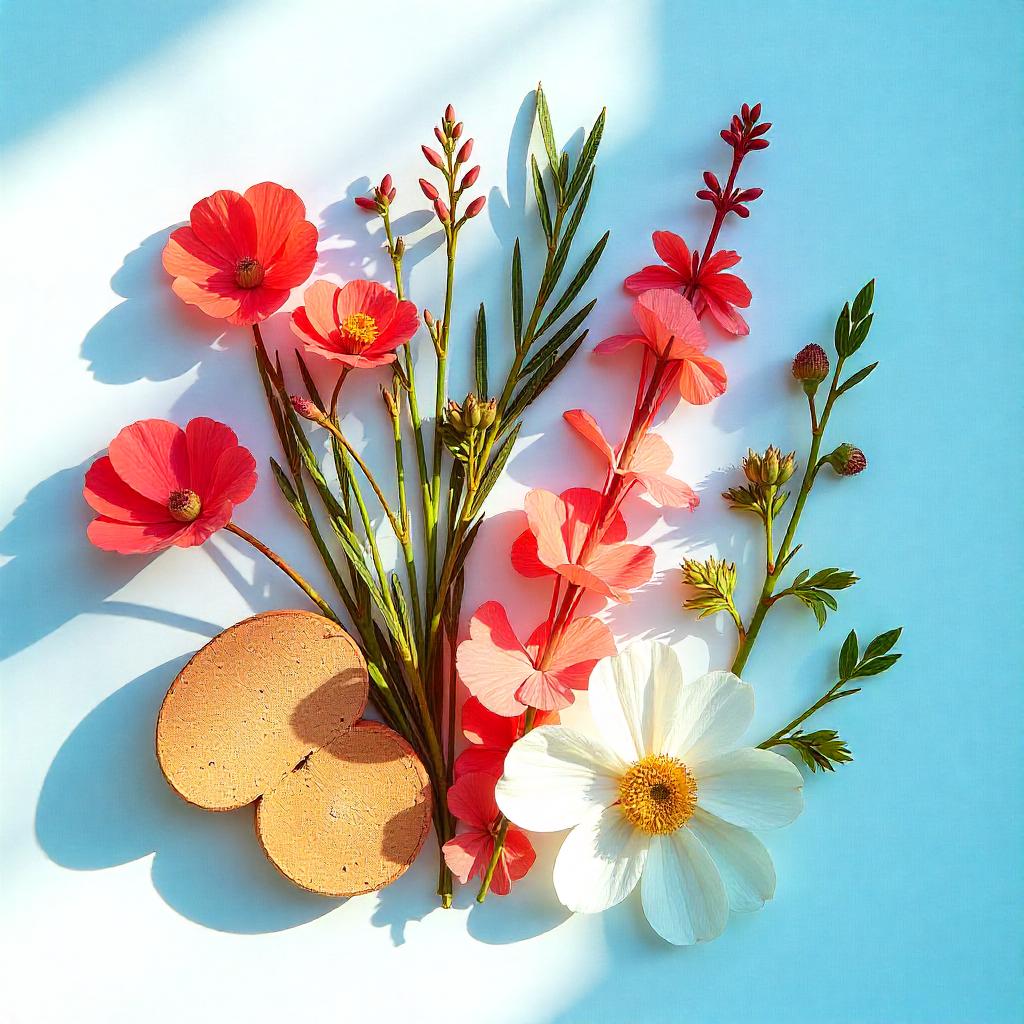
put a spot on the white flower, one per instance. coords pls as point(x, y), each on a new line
point(666, 800)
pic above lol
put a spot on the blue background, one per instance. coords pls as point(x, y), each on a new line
point(896, 154)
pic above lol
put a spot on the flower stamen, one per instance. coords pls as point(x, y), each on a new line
point(360, 328)
point(658, 794)
point(249, 273)
point(184, 505)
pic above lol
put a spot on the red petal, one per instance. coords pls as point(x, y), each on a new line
point(586, 426)
point(367, 297)
point(727, 288)
point(547, 515)
point(726, 317)
point(276, 211)
point(618, 342)
point(468, 854)
point(133, 538)
point(109, 495)
point(471, 800)
point(673, 250)
point(211, 519)
point(722, 260)
point(225, 223)
point(524, 557)
point(256, 304)
point(668, 322)
point(211, 302)
point(151, 457)
point(485, 727)
point(296, 260)
point(220, 469)
point(403, 325)
point(519, 854)
point(481, 759)
point(185, 255)
point(702, 379)
point(653, 277)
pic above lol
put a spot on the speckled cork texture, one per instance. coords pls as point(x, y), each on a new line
point(352, 818)
point(269, 711)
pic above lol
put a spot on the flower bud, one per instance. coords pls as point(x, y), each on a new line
point(385, 184)
point(449, 114)
point(476, 206)
point(433, 157)
point(453, 416)
point(399, 247)
point(465, 152)
point(457, 131)
point(439, 135)
point(442, 211)
point(471, 411)
point(770, 469)
point(810, 367)
point(428, 190)
point(847, 460)
point(469, 178)
point(366, 203)
point(306, 409)
point(428, 319)
point(488, 413)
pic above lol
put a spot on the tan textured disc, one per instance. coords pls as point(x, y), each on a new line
point(253, 702)
point(352, 818)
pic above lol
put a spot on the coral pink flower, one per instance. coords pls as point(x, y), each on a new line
point(559, 540)
point(241, 255)
point(505, 675)
point(491, 736)
point(716, 292)
point(360, 325)
point(671, 330)
point(647, 466)
point(160, 485)
point(471, 800)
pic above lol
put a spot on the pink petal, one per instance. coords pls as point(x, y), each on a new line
point(151, 457)
point(211, 301)
point(668, 322)
point(673, 250)
point(654, 276)
point(367, 297)
point(468, 854)
point(133, 538)
point(582, 508)
point(586, 426)
point(668, 490)
point(321, 301)
point(726, 317)
point(109, 495)
point(492, 662)
point(471, 800)
point(622, 567)
point(545, 690)
point(652, 455)
point(701, 379)
point(585, 642)
point(618, 342)
point(547, 515)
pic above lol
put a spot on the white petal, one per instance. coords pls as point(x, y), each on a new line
point(749, 787)
point(632, 697)
point(741, 858)
point(554, 776)
point(683, 894)
point(600, 862)
point(711, 716)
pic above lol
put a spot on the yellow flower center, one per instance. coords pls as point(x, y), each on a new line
point(249, 273)
point(184, 506)
point(658, 794)
point(360, 327)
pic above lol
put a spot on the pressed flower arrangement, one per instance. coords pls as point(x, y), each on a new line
point(668, 798)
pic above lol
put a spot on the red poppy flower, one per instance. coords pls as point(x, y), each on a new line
point(717, 293)
point(671, 330)
point(160, 485)
point(647, 466)
point(491, 737)
point(361, 324)
point(506, 676)
point(471, 800)
point(241, 255)
point(557, 542)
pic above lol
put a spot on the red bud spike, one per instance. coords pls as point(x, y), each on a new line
point(433, 157)
point(476, 206)
point(428, 190)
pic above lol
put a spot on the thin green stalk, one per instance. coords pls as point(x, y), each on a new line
point(829, 696)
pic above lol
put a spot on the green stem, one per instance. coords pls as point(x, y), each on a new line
point(830, 696)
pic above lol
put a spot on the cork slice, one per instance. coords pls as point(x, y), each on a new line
point(352, 817)
point(254, 702)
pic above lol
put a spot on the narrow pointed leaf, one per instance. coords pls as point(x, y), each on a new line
point(480, 354)
point(577, 283)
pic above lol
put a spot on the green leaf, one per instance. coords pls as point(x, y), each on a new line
point(860, 333)
point(823, 749)
point(565, 244)
point(843, 328)
point(398, 593)
point(547, 130)
point(577, 283)
point(480, 354)
point(517, 295)
point(563, 170)
point(549, 348)
point(883, 643)
point(544, 376)
point(855, 379)
point(542, 201)
point(876, 666)
point(310, 384)
point(498, 461)
point(862, 304)
point(848, 656)
point(587, 155)
point(287, 490)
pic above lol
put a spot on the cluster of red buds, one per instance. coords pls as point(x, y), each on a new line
point(744, 135)
point(383, 196)
point(448, 134)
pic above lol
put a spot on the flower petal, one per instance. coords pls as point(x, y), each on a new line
point(633, 697)
point(485, 727)
point(654, 276)
point(741, 858)
point(151, 457)
point(109, 495)
point(726, 317)
point(669, 322)
point(554, 776)
point(701, 379)
point(722, 260)
point(320, 301)
point(256, 304)
point(600, 862)
point(133, 538)
point(492, 662)
point(749, 787)
point(211, 301)
point(622, 567)
point(471, 799)
point(683, 894)
point(710, 716)
point(296, 260)
point(468, 854)
point(185, 255)
point(585, 642)
point(547, 515)
point(587, 427)
point(617, 342)
point(276, 210)
point(674, 251)
point(668, 491)
point(225, 223)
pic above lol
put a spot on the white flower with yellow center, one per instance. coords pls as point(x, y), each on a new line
point(667, 800)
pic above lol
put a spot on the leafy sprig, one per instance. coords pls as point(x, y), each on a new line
point(815, 591)
point(714, 580)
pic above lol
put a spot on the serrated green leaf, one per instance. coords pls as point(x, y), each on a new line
point(883, 643)
point(853, 380)
point(480, 354)
point(848, 656)
point(587, 156)
point(547, 130)
point(577, 283)
point(862, 304)
point(517, 295)
point(876, 666)
point(542, 200)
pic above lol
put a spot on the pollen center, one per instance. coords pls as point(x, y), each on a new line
point(658, 794)
point(361, 328)
point(184, 506)
point(249, 273)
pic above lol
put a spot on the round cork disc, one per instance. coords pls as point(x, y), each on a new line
point(254, 702)
point(352, 818)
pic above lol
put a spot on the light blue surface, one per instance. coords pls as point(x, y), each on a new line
point(896, 153)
